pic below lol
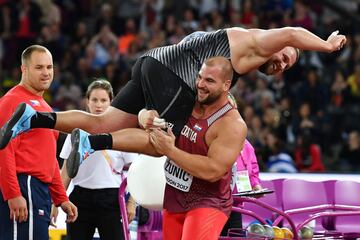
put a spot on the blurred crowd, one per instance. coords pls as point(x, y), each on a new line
point(305, 120)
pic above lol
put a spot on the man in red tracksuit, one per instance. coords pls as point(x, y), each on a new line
point(29, 172)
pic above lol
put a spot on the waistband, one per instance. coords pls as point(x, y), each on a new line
point(101, 190)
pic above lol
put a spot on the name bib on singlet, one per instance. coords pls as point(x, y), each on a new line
point(177, 177)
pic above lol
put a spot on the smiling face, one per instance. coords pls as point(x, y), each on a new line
point(280, 61)
point(210, 84)
point(37, 72)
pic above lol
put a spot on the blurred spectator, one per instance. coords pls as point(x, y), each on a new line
point(11, 79)
point(190, 24)
point(8, 27)
point(129, 9)
point(305, 122)
point(100, 46)
point(339, 91)
point(128, 37)
point(271, 118)
point(275, 156)
point(51, 12)
point(80, 39)
point(217, 20)
point(248, 113)
point(170, 25)
point(313, 92)
point(285, 130)
point(354, 84)
point(302, 16)
point(249, 18)
point(242, 93)
point(157, 36)
point(263, 96)
point(279, 86)
point(256, 133)
point(28, 23)
point(177, 36)
point(307, 155)
point(350, 152)
point(52, 38)
point(151, 12)
point(108, 17)
point(68, 92)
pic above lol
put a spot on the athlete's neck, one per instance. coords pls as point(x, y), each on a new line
point(203, 111)
point(31, 89)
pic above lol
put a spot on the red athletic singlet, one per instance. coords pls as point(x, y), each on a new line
point(184, 192)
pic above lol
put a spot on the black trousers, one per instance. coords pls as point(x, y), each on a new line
point(98, 208)
point(154, 86)
point(234, 221)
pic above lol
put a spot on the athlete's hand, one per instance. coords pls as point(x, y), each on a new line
point(53, 215)
point(149, 118)
point(131, 209)
point(162, 141)
point(18, 209)
point(336, 41)
point(71, 211)
point(258, 187)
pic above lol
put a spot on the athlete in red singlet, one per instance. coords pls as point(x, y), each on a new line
point(197, 199)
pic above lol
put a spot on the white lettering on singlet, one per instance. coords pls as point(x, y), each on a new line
point(189, 133)
point(177, 177)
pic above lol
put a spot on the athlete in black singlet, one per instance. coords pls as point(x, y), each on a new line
point(163, 78)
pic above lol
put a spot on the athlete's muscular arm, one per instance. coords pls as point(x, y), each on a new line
point(250, 48)
point(227, 141)
point(270, 41)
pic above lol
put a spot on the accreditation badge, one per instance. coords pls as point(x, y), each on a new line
point(243, 181)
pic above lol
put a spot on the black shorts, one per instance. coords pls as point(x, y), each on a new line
point(154, 86)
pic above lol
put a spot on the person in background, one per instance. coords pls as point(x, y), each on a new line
point(29, 171)
point(275, 155)
point(245, 161)
point(98, 178)
point(307, 154)
point(350, 152)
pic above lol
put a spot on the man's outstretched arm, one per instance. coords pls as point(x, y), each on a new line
point(267, 42)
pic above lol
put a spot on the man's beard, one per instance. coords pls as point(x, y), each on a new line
point(211, 98)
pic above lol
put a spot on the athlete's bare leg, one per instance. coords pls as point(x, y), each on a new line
point(111, 120)
point(133, 140)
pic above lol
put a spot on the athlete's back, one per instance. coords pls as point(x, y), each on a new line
point(185, 59)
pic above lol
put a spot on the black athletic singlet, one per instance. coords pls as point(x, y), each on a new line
point(185, 59)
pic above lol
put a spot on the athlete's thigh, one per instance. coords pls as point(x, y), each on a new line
point(203, 223)
point(167, 93)
point(172, 225)
point(114, 119)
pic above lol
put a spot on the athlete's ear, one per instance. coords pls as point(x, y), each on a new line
point(23, 68)
point(226, 85)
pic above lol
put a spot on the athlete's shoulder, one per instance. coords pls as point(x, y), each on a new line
point(231, 121)
point(11, 99)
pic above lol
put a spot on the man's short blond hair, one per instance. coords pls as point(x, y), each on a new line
point(26, 54)
point(224, 64)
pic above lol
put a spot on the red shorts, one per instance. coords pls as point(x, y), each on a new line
point(199, 223)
